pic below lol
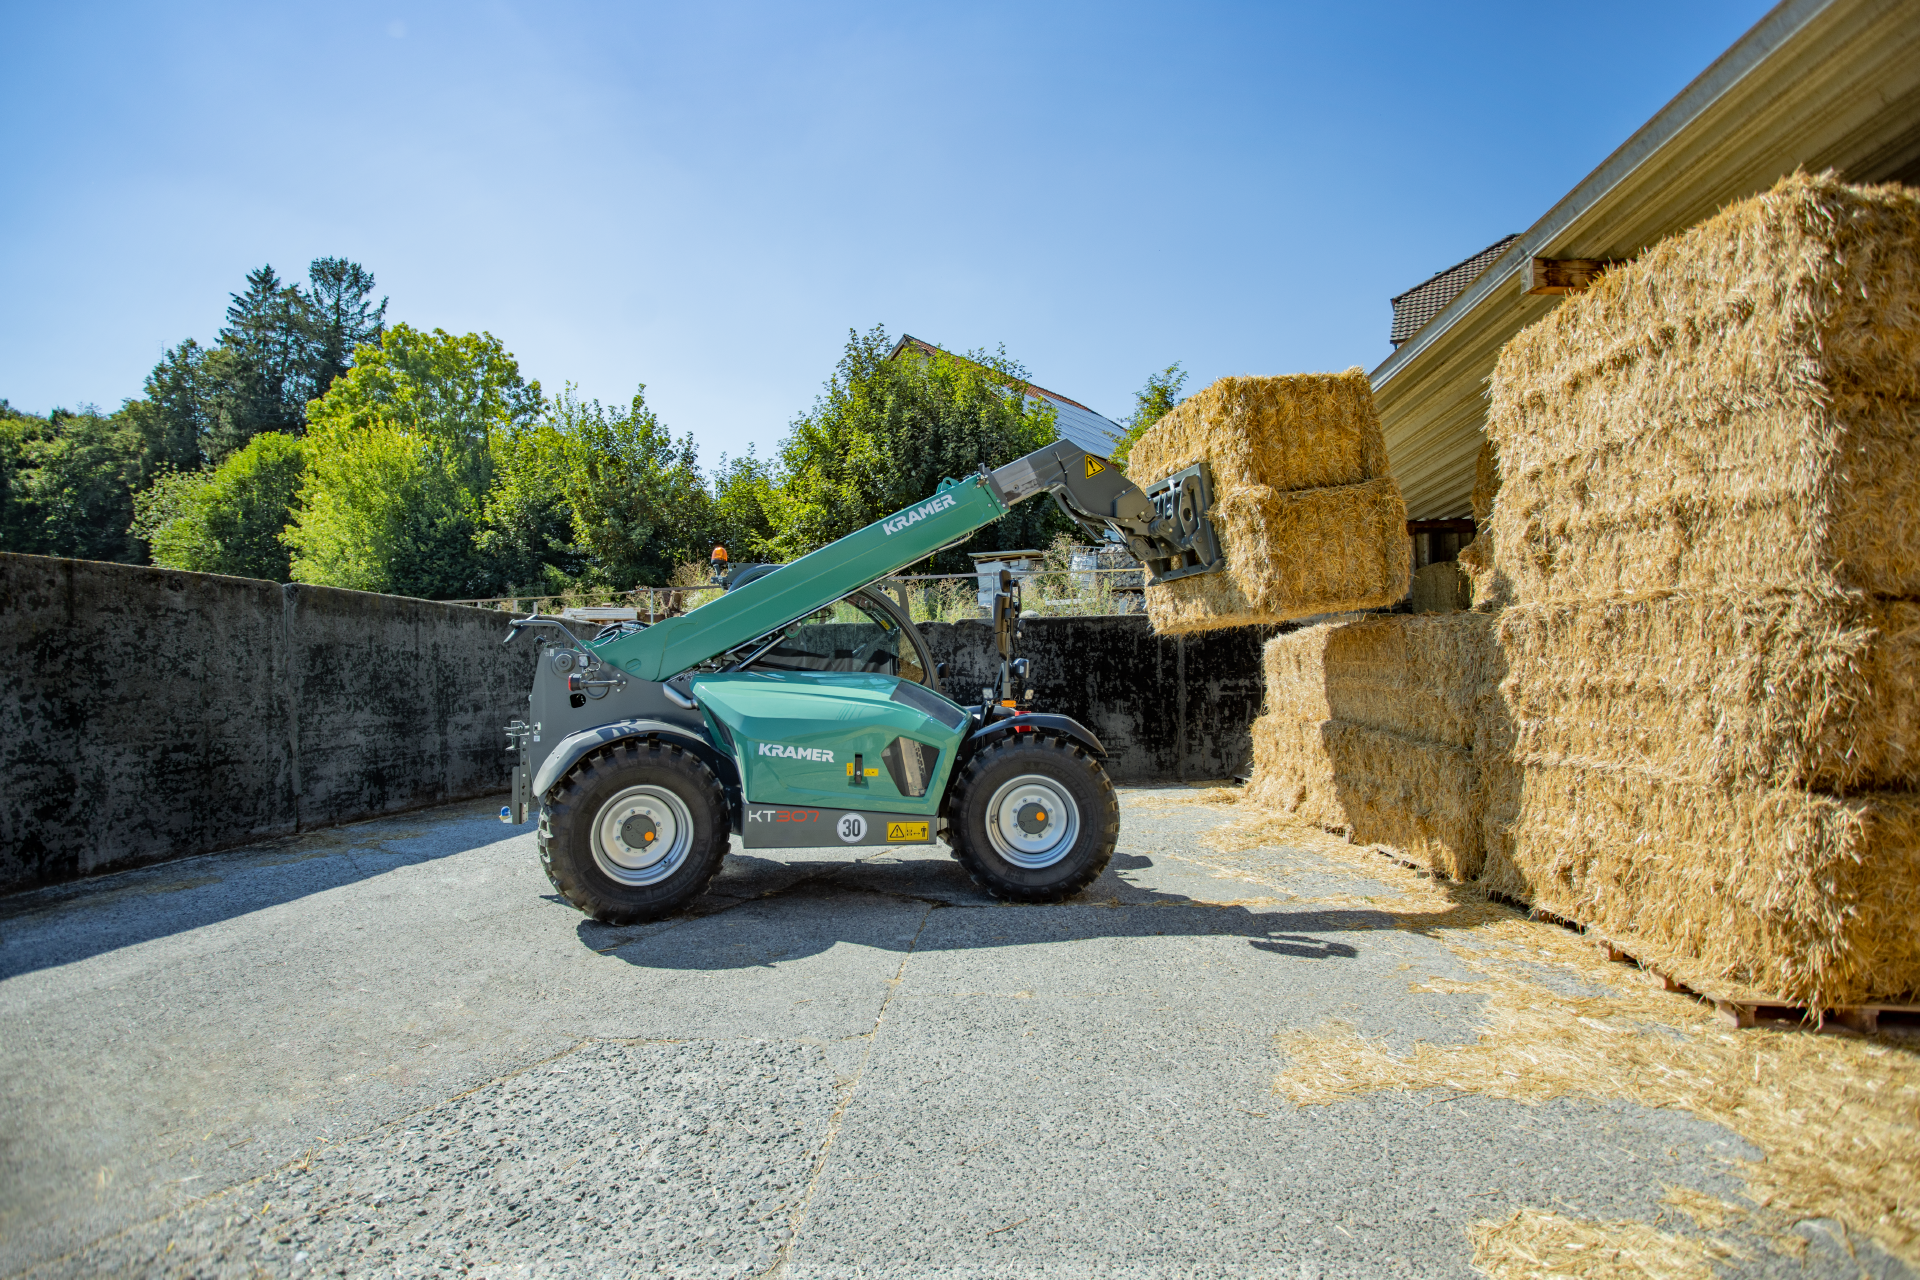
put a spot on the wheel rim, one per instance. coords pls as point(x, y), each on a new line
point(642, 835)
point(1032, 822)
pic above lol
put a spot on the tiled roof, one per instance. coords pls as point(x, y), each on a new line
point(1424, 301)
point(1088, 430)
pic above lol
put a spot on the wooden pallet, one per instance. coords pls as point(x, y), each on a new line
point(1854, 1017)
point(1758, 1011)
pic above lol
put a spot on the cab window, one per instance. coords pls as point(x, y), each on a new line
point(848, 635)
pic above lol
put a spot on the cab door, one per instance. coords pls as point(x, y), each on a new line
point(863, 632)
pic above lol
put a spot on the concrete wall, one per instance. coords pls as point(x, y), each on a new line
point(1167, 709)
point(147, 713)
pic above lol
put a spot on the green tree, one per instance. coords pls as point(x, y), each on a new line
point(885, 432)
point(264, 384)
point(639, 504)
point(178, 415)
point(228, 520)
point(528, 529)
point(743, 508)
point(339, 318)
point(400, 463)
point(77, 487)
point(1150, 404)
point(22, 436)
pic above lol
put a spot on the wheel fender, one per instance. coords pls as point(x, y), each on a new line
point(569, 750)
point(1038, 722)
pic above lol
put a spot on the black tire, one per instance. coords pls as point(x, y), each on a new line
point(670, 793)
point(994, 777)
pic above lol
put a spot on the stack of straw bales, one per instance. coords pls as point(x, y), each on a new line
point(1707, 734)
point(1370, 727)
point(1308, 517)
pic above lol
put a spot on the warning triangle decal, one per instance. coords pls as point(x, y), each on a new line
point(1094, 466)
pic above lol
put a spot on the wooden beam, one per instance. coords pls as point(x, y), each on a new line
point(1566, 275)
point(1440, 526)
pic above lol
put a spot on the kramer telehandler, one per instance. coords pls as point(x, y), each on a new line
point(802, 708)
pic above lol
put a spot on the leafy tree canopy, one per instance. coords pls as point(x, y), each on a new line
point(228, 520)
point(1150, 404)
point(884, 433)
point(400, 463)
point(67, 483)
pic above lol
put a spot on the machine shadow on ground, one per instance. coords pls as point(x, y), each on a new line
point(805, 910)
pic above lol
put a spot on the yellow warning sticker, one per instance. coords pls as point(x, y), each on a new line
point(1094, 466)
point(906, 831)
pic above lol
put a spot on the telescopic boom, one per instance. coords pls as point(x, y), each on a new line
point(1165, 526)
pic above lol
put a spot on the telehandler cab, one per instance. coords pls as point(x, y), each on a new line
point(801, 708)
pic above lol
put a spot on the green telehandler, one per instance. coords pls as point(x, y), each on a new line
point(801, 708)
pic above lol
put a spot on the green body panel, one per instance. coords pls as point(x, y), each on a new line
point(795, 734)
point(665, 649)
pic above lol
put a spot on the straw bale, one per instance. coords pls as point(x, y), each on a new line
point(1301, 431)
point(1293, 555)
point(1476, 558)
point(1734, 408)
point(1773, 892)
point(1779, 495)
point(1441, 587)
point(1807, 287)
point(1781, 689)
point(1486, 484)
point(1380, 788)
point(1422, 677)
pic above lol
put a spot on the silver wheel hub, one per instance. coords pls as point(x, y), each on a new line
point(642, 835)
point(1032, 821)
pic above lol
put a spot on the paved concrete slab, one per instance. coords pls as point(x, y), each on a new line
point(390, 1050)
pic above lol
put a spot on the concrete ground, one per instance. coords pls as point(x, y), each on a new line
point(390, 1049)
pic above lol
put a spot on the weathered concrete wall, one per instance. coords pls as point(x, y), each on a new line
point(1167, 709)
point(146, 713)
point(149, 713)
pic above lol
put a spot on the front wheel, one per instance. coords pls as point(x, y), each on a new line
point(634, 831)
point(1033, 819)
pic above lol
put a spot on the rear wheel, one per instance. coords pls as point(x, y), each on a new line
point(634, 831)
point(1033, 819)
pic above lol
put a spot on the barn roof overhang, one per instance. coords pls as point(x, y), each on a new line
point(1816, 84)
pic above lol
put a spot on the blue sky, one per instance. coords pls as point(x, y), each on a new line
point(705, 198)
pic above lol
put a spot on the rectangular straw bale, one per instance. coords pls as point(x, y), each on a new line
point(1300, 431)
point(1783, 689)
point(1422, 677)
point(1380, 788)
point(1782, 893)
point(1476, 558)
point(1293, 554)
point(1730, 409)
point(1775, 496)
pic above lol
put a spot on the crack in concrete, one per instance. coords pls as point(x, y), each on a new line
point(799, 1219)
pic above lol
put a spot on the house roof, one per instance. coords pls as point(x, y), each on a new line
point(1412, 309)
point(1085, 428)
point(1815, 83)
